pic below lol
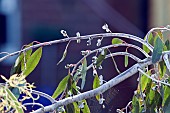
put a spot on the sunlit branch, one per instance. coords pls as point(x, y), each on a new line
point(128, 36)
point(116, 80)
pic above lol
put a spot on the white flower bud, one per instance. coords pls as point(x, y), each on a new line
point(64, 33)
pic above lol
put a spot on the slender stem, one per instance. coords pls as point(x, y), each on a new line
point(104, 35)
point(140, 70)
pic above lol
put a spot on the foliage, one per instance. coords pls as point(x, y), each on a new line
point(152, 94)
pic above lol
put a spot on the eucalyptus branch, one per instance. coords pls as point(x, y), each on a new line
point(158, 81)
point(116, 80)
point(132, 37)
point(123, 54)
point(44, 95)
point(107, 47)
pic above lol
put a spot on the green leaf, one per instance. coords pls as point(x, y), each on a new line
point(117, 41)
point(62, 85)
point(167, 44)
point(64, 54)
point(157, 51)
point(86, 107)
point(32, 62)
point(166, 97)
point(96, 84)
point(150, 40)
point(14, 99)
point(100, 58)
point(83, 73)
point(19, 63)
point(135, 104)
point(162, 69)
point(76, 108)
point(158, 99)
point(126, 60)
point(144, 81)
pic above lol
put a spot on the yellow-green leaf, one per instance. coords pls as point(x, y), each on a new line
point(96, 84)
point(17, 106)
point(83, 73)
point(126, 61)
point(117, 41)
point(100, 58)
point(64, 53)
point(61, 87)
point(19, 63)
point(76, 108)
point(86, 107)
point(32, 62)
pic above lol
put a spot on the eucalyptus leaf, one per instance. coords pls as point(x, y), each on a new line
point(150, 41)
point(144, 81)
point(64, 53)
point(96, 84)
point(76, 108)
point(17, 104)
point(126, 60)
point(157, 51)
point(18, 66)
point(135, 104)
point(167, 43)
point(32, 62)
point(62, 85)
point(162, 69)
point(86, 107)
point(100, 58)
point(117, 41)
point(83, 73)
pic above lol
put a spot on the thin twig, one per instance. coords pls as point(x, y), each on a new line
point(104, 35)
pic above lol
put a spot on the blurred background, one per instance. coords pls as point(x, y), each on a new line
point(24, 21)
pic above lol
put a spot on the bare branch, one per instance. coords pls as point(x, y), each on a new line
point(132, 37)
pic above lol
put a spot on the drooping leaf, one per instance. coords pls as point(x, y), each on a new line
point(144, 81)
point(32, 62)
point(70, 108)
point(83, 73)
point(158, 99)
point(157, 51)
point(86, 107)
point(19, 63)
point(76, 108)
point(135, 105)
point(166, 96)
point(64, 53)
point(167, 44)
point(162, 69)
point(61, 87)
point(126, 60)
point(17, 105)
point(117, 41)
point(96, 84)
point(150, 41)
point(101, 57)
